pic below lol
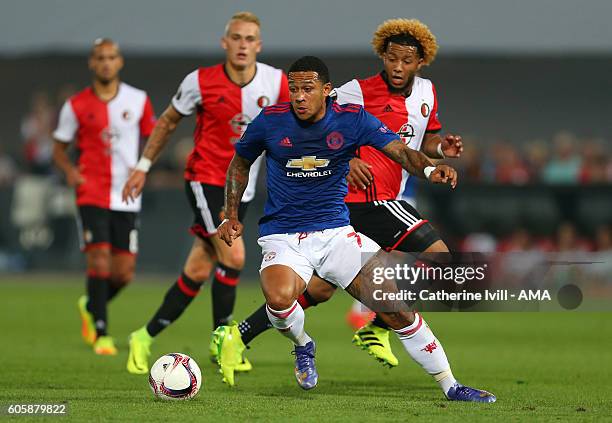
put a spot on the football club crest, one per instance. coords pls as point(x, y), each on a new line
point(425, 109)
point(335, 140)
point(263, 101)
point(126, 115)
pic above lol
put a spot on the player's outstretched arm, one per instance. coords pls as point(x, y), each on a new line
point(416, 163)
point(236, 182)
point(437, 147)
point(158, 139)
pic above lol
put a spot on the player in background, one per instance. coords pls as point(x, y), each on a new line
point(106, 121)
point(225, 97)
point(306, 226)
point(407, 104)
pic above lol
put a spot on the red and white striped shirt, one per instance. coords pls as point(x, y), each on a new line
point(224, 109)
point(410, 117)
point(107, 136)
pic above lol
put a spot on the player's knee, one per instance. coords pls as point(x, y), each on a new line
point(99, 260)
point(233, 259)
point(122, 277)
point(280, 300)
point(198, 272)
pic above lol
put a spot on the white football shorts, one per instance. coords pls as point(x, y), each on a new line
point(337, 255)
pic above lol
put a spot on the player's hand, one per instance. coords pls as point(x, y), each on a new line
point(452, 146)
point(229, 230)
point(133, 186)
point(444, 174)
point(74, 177)
point(359, 175)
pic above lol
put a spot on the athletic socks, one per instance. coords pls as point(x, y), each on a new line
point(259, 322)
point(113, 291)
point(306, 300)
point(177, 298)
point(421, 344)
point(380, 323)
point(97, 293)
point(255, 324)
point(223, 293)
point(290, 322)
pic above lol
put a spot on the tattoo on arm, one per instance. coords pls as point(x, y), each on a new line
point(411, 160)
point(165, 126)
point(235, 184)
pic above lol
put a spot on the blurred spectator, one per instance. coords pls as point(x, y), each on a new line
point(536, 157)
point(8, 170)
point(36, 129)
point(565, 166)
point(510, 168)
point(594, 163)
point(568, 240)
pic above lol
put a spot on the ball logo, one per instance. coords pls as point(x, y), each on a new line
point(335, 140)
point(126, 115)
point(263, 101)
point(270, 256)
point(425, 109)
point(406, 133)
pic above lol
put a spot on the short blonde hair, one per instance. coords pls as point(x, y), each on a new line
point(244, 17)
point(413, 27)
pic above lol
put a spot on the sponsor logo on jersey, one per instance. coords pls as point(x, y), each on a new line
point(263, 101)
point(425, 109)
point(406, 133)
point(239, 123)
point(335, 140)
point(310, 167)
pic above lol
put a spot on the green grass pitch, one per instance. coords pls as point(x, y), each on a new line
point(541, 366)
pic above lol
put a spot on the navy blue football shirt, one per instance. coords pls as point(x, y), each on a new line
point(307, 163)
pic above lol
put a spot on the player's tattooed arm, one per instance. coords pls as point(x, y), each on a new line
point(236, 182)
point(411, 160)
point(416, 163)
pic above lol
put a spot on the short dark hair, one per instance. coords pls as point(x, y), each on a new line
point(405, 40)
point(311, 64)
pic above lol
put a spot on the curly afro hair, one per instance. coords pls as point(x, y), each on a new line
point(401, 28)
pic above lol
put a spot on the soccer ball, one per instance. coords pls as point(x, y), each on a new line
point(175, 376)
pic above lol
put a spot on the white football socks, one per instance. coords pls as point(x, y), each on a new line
point(421, 344)
point(290, 322)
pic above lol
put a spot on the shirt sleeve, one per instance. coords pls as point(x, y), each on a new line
point(252, 142)
point(147, 121)
point(433, 124)
point(349, 93)
point(188, 96)
point(283, 95)
point(67, 125)
point(372, 132)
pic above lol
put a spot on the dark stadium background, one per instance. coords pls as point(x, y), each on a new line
point(516, 94)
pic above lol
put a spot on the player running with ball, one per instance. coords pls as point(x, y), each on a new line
point(306, 229)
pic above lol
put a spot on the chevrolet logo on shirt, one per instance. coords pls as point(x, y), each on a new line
point(310, 164)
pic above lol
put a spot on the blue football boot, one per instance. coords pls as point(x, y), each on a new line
point(305, 370)
point(459, 392)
